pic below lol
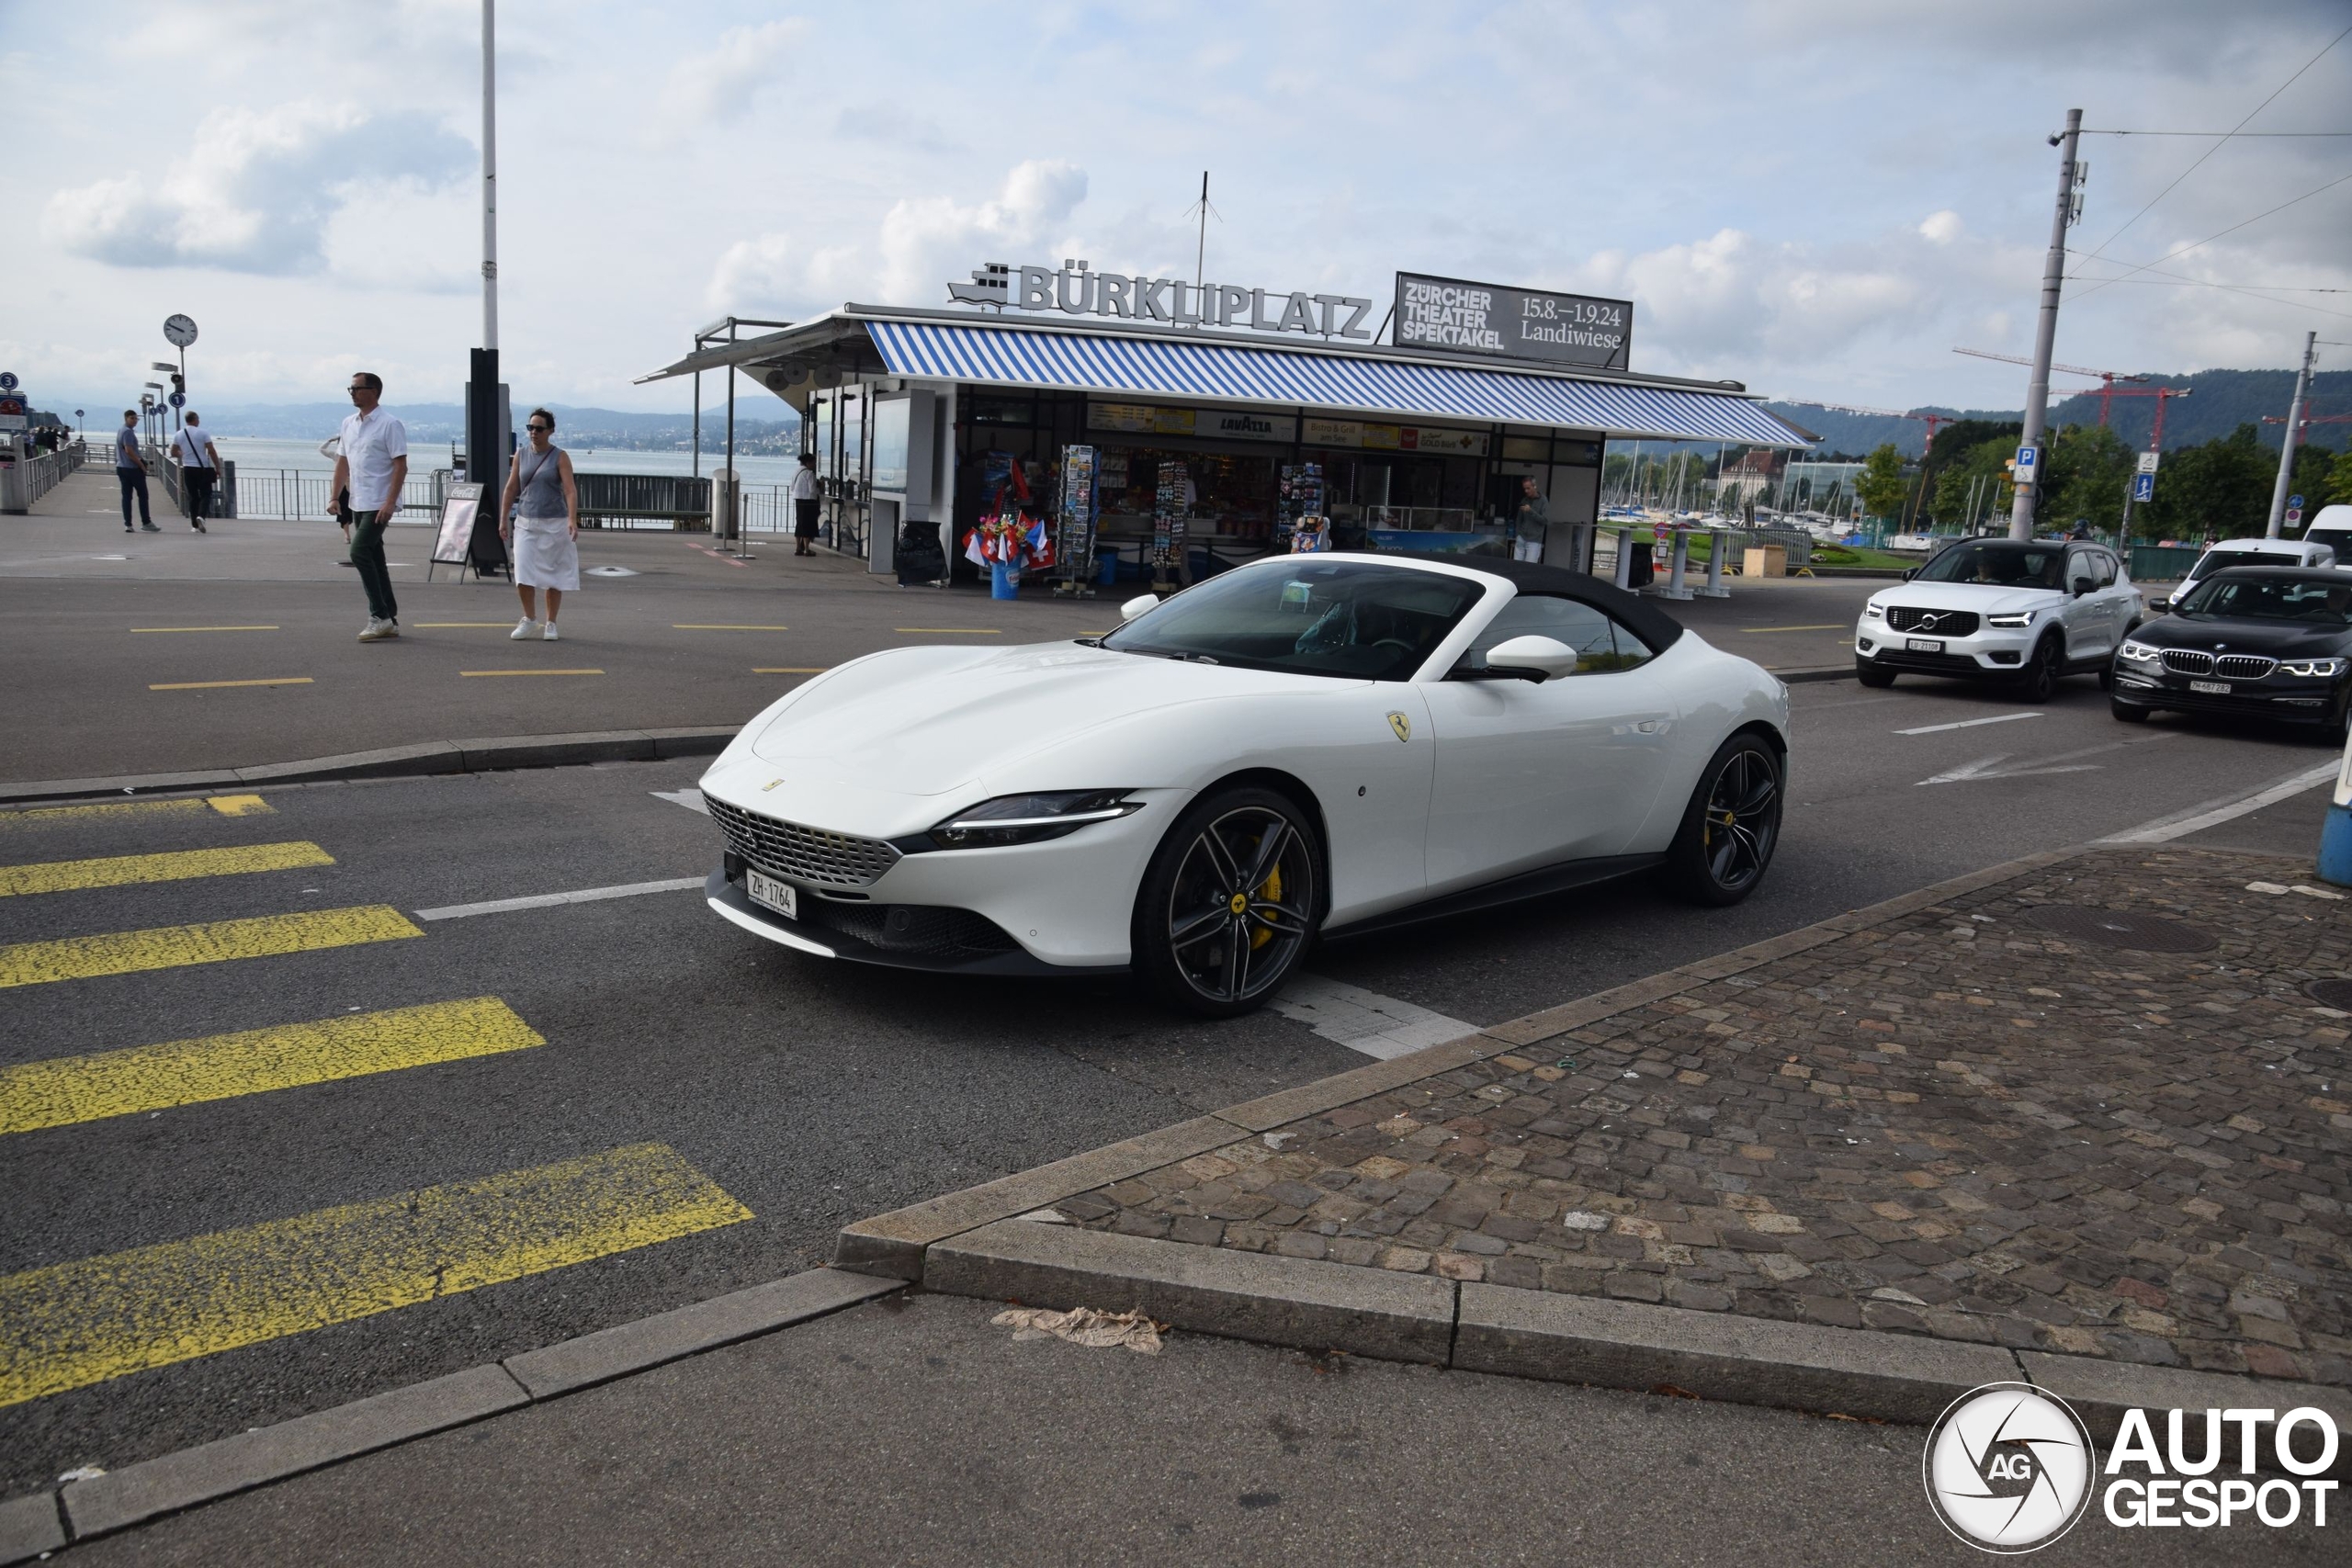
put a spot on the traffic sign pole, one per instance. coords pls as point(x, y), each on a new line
point(2287, 440)
point(2045, 336)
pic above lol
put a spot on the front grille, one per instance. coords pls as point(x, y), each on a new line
point(916, 930)
point(2245, 666)
point(2188, 661)
point(1940, 622)
point(804, 855)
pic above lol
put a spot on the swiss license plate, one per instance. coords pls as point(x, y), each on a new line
point(781, 896)
point(1922, 645)
point(2210, 688)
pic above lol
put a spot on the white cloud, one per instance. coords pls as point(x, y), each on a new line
point(1941, 228)
point(717, 88)
point(920, 243)
point(256, 190)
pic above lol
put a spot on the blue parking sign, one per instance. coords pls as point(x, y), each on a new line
point(2143, 487)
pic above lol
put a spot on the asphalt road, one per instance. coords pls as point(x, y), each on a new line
point(805, 1093)
point(917, 1433)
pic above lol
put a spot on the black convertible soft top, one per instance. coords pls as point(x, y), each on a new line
point(1653, 625)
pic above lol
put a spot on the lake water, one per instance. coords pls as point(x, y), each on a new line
point(253, 454)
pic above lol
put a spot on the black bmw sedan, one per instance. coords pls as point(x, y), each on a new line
point(2272, 642)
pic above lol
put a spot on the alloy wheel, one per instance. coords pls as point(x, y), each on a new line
point(1239, 909)
point(1743, 819)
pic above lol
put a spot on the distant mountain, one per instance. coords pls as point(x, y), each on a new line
point(2218, 401)
point(574, 427)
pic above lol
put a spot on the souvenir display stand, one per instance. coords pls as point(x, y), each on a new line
point(1075, 520)
point(1170, 504)
point(1300, 486)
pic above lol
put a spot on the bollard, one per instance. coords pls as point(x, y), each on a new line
point(2335, 837)
point(1717, 550)
point(1624, 558)
point(1680, 565)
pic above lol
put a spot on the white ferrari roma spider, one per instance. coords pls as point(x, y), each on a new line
point(1303, 747)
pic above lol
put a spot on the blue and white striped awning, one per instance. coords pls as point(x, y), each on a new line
point(1153, 366)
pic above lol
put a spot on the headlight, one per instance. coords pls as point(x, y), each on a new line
point(2139, 652)
point(2312, 667)
point(1029, 818)
point(2014, 618)
point(1874, 612)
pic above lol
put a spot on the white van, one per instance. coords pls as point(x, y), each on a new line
point(2305, 552)
point(2332, 527)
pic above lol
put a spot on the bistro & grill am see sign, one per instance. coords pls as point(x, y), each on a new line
point(1076, 290)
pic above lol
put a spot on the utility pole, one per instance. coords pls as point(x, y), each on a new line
point(2287, 440)
point(2045, 336)
point(485, 440)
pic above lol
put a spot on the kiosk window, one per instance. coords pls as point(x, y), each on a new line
point(1601, 643)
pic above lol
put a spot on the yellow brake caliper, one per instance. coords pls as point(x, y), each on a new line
point(1271, 890)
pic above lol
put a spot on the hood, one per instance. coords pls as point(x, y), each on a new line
point(921, 721)
point(2280, 639)
point(1985, 598)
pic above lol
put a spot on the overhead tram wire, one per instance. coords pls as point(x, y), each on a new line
point(2218, 145)
point(2209, 238)
point(2227, 135)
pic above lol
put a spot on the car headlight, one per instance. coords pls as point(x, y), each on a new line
point(2013, 618)
point(2139, 652)
point(1029, 818)
point(1875, 612)
point(2312, 667)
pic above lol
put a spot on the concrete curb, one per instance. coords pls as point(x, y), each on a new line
point(976, 1243)
point(137, 1494)
point(416, 761)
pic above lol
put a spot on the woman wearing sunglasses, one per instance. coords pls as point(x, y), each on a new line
point(539, 518)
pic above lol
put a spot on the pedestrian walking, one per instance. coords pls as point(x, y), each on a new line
point(131, 471)
point(200, 463)
point(371, 462)
point(538, 516)
point(804, 506)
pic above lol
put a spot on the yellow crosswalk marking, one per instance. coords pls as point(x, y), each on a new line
point(716, 626)
point(204, 628)
point(214, 685)
point(474, 674)
point(92, 1087)
point(76, 1324)
point(954, 631)
point(793, 670)
point(169, 947)
point(226, 804)
point(175, 865)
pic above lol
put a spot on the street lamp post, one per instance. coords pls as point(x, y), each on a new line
point(485, 440)
point(2287, 440)
point(2045, 336)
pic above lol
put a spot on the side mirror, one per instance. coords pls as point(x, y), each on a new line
point(1138, 606)
point(2160, 606)
point(1544, 656)
point(2084, 585)
point(1909, 572)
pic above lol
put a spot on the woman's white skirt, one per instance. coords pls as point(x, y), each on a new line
point(546, 555)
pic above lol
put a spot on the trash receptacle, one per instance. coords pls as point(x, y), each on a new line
point(1638, 570)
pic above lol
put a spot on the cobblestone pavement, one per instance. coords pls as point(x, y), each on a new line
point(1957, 1122)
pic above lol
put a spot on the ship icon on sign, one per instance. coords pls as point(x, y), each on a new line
point(990, 285)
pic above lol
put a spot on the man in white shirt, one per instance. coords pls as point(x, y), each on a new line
point(371, 464)
point(200, 463)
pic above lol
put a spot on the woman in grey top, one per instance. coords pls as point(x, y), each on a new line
point(540, 517)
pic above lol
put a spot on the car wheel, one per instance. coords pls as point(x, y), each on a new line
point(1869, 674)
point(1731, 827)
point(2042, 675)
point(2130, 712)
point(1229, 903)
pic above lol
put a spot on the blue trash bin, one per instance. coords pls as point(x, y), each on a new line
point(1106, 568)
point(2336, 836)
point(1003, 583)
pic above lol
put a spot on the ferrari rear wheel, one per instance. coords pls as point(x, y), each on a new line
point(1229, 903)
point(1731, 826)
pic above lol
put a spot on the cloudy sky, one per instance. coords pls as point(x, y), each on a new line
point(1818, 197)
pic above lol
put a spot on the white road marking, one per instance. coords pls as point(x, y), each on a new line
point(1365, 1020)
point(690, 798)
point(2197, 819)
point(549, 900)
point(1990, 767)
point(1968, 723)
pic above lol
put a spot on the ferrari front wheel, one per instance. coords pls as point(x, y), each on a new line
point(1731, 826)
point(1229, 903)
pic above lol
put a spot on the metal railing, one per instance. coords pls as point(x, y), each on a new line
point(299, 495)
point(643, 501)
point(27, 479)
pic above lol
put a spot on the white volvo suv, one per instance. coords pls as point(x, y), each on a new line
point(2025, 613)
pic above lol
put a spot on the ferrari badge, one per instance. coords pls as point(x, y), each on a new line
point(1401, 724)
point(769, 785)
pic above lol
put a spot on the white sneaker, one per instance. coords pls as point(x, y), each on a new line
point(525, 630)
point(376, 630)
point(551, 634)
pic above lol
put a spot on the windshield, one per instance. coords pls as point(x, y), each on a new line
point(2008, 565)
point(2314, 601)
point(2212, 561)
point(1354, 619)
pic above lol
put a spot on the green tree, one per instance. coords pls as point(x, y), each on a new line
point(2089, 470)
point(2339, 478)
point(2221, 489)
point(1880, 486)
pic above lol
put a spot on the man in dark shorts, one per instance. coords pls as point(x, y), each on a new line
point(804, 506)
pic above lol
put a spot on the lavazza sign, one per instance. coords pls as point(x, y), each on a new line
point(1433, 315)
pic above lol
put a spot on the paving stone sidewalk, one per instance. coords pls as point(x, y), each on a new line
point(1960, 1123)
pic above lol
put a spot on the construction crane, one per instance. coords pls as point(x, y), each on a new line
point(2106, 379)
